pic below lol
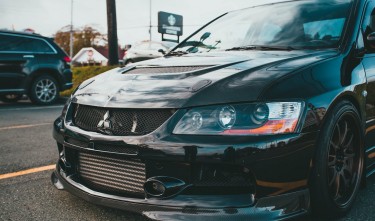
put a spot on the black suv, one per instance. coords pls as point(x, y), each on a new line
point(34, 65)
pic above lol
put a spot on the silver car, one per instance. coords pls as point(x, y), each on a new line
point(146, 50)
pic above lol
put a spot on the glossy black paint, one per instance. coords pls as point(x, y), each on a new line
point(277, 166)
point(18, 69)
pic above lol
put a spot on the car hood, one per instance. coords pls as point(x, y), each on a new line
point(194, 80)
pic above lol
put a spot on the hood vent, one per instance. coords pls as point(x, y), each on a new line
point(165, 70)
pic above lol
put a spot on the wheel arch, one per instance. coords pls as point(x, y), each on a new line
point(353, 98)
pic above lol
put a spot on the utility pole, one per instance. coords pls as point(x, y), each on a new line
point(112, 33)
point(149, 30)
point(71, 31)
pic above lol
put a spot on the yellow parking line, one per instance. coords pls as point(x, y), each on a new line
point(24, 126)
point(28, 171)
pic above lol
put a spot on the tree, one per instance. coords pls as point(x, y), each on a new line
point(83, 37)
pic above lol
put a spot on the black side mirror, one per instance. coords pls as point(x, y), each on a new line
point(371, 39)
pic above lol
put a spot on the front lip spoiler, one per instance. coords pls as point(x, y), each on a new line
point(279, 207)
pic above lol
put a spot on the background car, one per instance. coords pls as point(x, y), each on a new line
point(34, 65)
point(146, 50)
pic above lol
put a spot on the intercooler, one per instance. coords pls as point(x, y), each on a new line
point(112, 174)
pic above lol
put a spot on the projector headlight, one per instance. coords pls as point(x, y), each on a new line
point(241, 119)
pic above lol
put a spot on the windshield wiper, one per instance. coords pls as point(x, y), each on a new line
point(176, 53)
point(262, 48)
point(242, 48)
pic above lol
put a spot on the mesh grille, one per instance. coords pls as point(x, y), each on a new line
point(124, 122)
point(164, 70)
point(114, 175)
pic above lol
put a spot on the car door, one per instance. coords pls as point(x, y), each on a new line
point(368, 26)
point(16, 62)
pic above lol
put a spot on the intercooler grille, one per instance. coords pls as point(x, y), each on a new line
point(120, 122)
point(114, 175)
point(165, 70)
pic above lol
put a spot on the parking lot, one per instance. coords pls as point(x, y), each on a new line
point(26, 143)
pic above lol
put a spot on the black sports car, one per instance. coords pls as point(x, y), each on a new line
point(265, 113)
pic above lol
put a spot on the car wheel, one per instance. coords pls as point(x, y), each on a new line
point(10, 98)
point(44, 90)
point(338, 166)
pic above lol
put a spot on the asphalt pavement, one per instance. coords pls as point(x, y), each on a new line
point(26, 143)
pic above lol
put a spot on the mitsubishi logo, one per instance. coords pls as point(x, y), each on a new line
point(105, 124)
point(134, 127)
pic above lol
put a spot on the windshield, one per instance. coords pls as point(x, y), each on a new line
point(290, 25)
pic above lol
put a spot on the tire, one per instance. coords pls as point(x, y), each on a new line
point(44, 90)
point(10, 98)
point(338, 164)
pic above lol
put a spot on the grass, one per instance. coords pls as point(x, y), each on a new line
point(80, 74)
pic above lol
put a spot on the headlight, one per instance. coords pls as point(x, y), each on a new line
point(241, 119)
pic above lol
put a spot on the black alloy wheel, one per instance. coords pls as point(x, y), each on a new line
point(10, 98)
point(44, 90)
point(338, 162)
point(343, 160)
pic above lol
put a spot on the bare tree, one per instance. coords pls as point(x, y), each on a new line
point(83, 37)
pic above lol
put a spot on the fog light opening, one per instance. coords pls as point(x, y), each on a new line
point(154, 188)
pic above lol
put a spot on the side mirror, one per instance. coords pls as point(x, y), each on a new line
point(371, 39)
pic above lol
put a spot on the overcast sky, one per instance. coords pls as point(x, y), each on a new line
point(48, 16)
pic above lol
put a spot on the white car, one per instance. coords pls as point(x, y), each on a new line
point(146, 50)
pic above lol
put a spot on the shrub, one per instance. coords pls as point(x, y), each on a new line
point(80, 74)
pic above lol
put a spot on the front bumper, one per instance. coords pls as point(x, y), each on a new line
point(269, 208)
point(280, 166)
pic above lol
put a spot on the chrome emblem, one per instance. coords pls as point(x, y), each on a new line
point(105, 124)
point(134, 127)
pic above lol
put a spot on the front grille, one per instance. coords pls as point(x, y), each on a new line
point(165, 70)
point(113, 175)
point(123, 122)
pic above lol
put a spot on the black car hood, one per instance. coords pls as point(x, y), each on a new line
point(194, 80)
